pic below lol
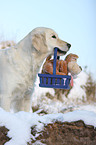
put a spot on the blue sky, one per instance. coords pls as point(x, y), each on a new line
point(73, 20)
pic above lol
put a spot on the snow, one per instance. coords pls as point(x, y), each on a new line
point(19, 124)
point(76, 96)
point(77, 91)
point(87, 107)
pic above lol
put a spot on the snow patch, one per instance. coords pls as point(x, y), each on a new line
point(77, 92)
point(52, 105)
point(19, 124)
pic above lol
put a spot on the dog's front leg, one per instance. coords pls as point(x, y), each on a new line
point(26, 101)
point(6, 102)
point(26, 104)
point(21, 104)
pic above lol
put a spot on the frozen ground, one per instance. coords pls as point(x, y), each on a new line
point(19, 124)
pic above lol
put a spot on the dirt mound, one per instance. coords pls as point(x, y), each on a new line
point(3, 135)
point(74, 133)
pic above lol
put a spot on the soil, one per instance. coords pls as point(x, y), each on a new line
point(74, 133)
point(3, 135)
point(58, 133)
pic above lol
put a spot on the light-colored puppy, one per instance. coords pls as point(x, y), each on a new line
point(72, 65)
point(19, 66)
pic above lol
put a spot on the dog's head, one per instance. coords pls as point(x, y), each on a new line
point(45, 39)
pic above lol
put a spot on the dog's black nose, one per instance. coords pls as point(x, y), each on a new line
point(69, 45)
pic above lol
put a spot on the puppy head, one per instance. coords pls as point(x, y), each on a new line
point(45, 39)
point(71, 58)
point(73, 67)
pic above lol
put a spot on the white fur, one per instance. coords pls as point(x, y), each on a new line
point(19, 66)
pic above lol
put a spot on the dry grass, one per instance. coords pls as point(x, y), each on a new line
point(90, 88)
point(5, 44)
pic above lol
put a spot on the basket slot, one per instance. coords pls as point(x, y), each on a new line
point(41, 80)
point(65, 81)
point(62, 82)
point(53, 80)
point(44, 80)
point(57, 81)
point(49, 81)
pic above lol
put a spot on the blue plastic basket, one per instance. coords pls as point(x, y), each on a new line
point(54, 81)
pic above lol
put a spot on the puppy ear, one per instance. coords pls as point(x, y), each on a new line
point(38, 41)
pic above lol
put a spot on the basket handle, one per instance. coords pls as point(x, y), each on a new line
point(54, 62)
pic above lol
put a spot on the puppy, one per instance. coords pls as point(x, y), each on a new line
point(69, 65)
point(20, 64)
point(61, 67)
point(72, 65)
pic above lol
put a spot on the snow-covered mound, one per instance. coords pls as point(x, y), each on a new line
point(19, 124)
point(51, 104)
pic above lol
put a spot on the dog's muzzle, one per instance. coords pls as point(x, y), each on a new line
point(62, 52)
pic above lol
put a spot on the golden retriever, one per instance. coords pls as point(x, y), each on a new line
point(20, 64)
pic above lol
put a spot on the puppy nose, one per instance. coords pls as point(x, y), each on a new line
point(69, 45)
point(58, 57)
point(80, 68)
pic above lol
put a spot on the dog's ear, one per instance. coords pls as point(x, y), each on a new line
point(38, 41)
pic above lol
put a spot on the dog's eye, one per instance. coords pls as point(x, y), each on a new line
point(54, 36)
